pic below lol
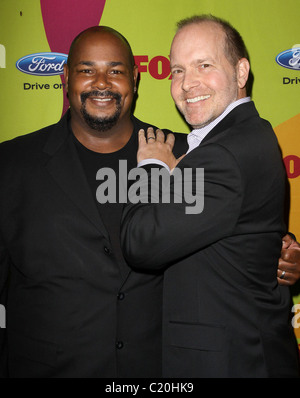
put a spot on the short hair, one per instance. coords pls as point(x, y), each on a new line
point(104, 29)
point(235, 47)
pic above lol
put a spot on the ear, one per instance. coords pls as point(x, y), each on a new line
point(243, 69)
point(66, 75)
point(135, 76)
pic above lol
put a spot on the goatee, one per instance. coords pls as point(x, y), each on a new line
point(101, 124)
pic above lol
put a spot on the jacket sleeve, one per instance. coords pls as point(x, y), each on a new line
point(154, 236)
point(4, 261)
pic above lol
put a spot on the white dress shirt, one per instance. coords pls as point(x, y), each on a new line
point(196, 136)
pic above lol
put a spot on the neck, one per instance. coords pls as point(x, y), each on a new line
point(103, 142)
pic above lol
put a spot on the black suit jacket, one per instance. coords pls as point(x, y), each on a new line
point(72, 310)
point(224, 314)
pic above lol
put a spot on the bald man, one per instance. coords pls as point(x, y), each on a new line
point(74, 308)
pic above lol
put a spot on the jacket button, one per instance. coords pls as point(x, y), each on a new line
point(119, 345)
point(107, 250)
point(121, 296)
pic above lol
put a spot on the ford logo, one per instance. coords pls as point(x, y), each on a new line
point(42, 64)
point(289, 59)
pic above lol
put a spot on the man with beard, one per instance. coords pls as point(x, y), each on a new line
point(74, 307)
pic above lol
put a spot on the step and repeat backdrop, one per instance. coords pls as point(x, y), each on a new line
point(35, 36)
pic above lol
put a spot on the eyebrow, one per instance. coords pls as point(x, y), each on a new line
point(175, 66)
point(202, 60)
point(91, 63)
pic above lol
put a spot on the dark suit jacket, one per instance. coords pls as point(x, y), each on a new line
point(224, 314)
point(72, 311)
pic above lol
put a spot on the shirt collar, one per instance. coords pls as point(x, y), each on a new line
point(196, 136)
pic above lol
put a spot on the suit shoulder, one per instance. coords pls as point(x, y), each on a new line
point(139, 124)
point(24, 146)
point(256, 131)
point(33, 138)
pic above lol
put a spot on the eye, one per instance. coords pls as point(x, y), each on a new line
point(86, 71)
point(204, 66)
point(116, 72)
point(176, 71)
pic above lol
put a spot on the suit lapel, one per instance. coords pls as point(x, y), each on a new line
point(236, 116)
point(65, 167)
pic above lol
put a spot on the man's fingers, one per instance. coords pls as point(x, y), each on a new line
point(286, 266)
point(170, 140)
point(153, 145)
point(142, 138)
point(286, 241)
point(288, 273)
point(150, 135)
point(160, 136)
point(283, 281)
point(291, 255)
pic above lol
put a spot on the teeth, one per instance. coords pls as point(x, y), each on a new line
point(196, 99)
point(102, 99)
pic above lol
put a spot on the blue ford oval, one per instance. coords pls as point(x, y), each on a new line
point(289, 59)
point(42, 64)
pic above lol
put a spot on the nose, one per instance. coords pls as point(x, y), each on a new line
point(190, 80)
point(101, 81)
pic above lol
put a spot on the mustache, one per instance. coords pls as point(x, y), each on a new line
point(101, 94)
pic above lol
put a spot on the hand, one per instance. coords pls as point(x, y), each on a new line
point(288, 272)
point(157, 147)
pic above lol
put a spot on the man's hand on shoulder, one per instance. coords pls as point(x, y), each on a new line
point(155, 146)
point(288, 272)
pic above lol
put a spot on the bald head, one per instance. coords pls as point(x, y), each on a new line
point(100, 79)
point(99, 32)
point(234, 46)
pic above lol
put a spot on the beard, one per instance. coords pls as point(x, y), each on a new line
point(101, 124)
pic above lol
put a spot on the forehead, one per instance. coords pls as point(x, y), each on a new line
point(198, 39)
point(98, 47)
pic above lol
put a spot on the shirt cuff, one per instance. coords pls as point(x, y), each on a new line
point(153, 161)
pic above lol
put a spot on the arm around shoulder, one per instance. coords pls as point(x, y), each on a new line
point(155, 235)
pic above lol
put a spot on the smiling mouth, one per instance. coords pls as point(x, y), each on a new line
point(197, 99)
point(101, 99)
